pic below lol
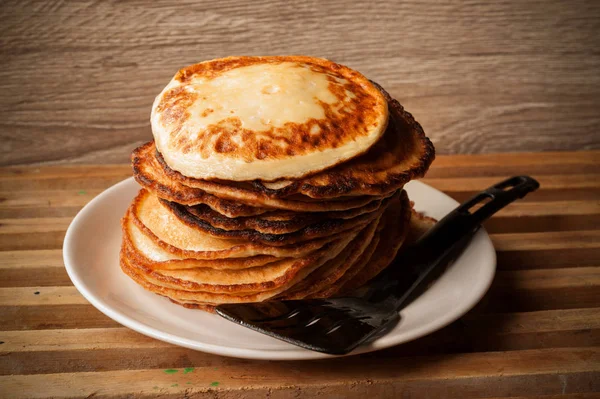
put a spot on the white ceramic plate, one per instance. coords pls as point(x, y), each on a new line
point(91, 251)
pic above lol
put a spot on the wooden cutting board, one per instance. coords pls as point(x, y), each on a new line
point(537, 332)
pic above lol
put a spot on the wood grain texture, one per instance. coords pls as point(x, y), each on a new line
point(536, 333)
point(441, 376)
point(77, 79)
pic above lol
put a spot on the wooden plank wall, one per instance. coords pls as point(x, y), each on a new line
point(77, 78)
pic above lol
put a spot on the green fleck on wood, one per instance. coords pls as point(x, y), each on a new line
point(81, 192)
point(188, 370)
point(214, 384)
point(171, 371)
point(189, 383)
point(175, 385)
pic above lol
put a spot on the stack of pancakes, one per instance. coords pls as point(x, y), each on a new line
point(270, 177)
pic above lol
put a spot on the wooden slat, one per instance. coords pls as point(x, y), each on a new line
point(547, 249)
point(33, 225)
point(32, 268)
point(547, 182)
point(51, 258)
point(44, 317)
point(62, 177)
point(552, 187)
point(581, 194)
point(77, 340)
point(27, 277)
point(551, 240)
point(34, 352)
point(32, 233)
point(44, 203)
point(532, 163)
point(40, 296)
point(525, 217)
point(552, 371)
point(531, 330)
point(577, 277)
point(528, 290)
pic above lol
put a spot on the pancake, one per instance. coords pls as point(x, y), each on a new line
point(331, 271)
point(246, 118)
point(240, 281)
point(319, 229)
point(403, 153)
point(138, 244)
point(204, 300)
point(163, 237)
point(230, 286)
point(391, 237)
point(278, 221)
point(386, 251)
point(149, 173)
point(393, 227)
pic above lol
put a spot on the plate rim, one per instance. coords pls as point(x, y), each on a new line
point(293, 353)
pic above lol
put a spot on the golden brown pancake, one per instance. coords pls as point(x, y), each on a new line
point(277, 221)
point(163, 237)
point(246, 118)
point(331, 271)
point(403, 153)
point(139, 244)
point(391, 237)
point(206, 300)
point(387, 249)
point(241, 281)
point(393, 227)
point(319, 229)
point(229, 286)
point(148, 171)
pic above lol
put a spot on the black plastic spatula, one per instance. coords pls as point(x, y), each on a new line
point(338, 325)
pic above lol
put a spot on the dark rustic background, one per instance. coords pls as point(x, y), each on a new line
point(77, 78)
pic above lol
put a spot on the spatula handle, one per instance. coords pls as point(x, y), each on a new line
point(469, 216)
point(445, 240)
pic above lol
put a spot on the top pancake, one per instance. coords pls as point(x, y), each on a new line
point(266, 118)
point(401, 154)
point(231, 201)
